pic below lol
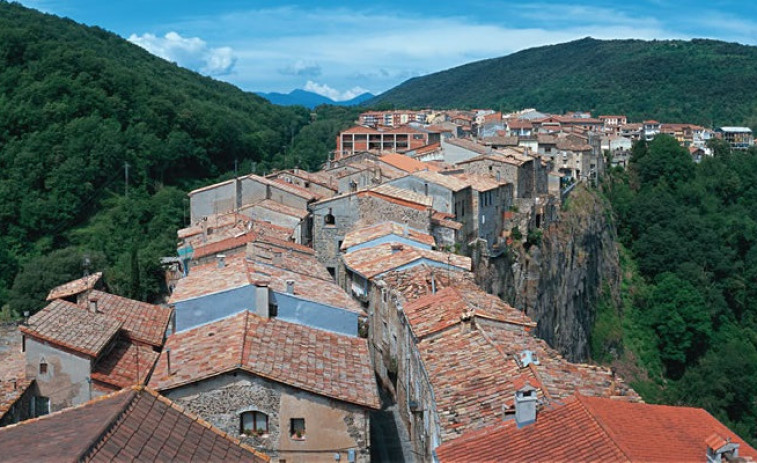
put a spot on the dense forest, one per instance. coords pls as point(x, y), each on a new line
point(99, 143)
point(705, 82)
point(689, 255)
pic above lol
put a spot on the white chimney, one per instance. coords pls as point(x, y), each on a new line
point(525, 406)
point(93, 304)
point(290, 286)
point(719, 448)
point(221, 260)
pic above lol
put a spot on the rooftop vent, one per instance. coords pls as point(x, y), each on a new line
point(221, 260)
point(528, 357)
point(93, 304)
point(290, 286)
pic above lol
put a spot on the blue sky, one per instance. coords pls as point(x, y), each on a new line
point(342, 48)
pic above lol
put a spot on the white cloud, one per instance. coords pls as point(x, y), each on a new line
point(336, 95)
point(302, 68)
point(190, 52)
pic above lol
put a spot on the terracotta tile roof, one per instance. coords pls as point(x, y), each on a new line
point(469, 145)
point(479, 182)
point(226, 245)
point(67, 325)
point(13, 380)
point(75, 287)
point(598, 429)
point(445, 220)
point(359, 129)
point(436, 312)
point(422, 280)
point(471, 397)
point(209, 278)
point(319, 178)
point(314, 360)
point(288, 258)
point(240, 271)
point(295, 189)
point(10, 391)
point(377, 260)
point(511, 157)
point(365, 234)
point(500, 141)
point(572, 145)
point(428, 149)
point(125, 365)
point(406, 163)
point(276, 206)
point(401, 194)
point(141, 321)
point(134, 424)
point(447, 181)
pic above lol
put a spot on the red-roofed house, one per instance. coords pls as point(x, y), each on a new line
point(302, 393)
point(601, 429)
point(383, 139)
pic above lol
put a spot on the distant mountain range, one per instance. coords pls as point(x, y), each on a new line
point(708, 82)
point(310, 99)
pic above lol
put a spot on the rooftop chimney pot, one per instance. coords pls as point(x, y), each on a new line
point(290, 286)
point(525, 406)
point(221, 260)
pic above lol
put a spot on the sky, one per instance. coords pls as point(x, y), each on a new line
point(340, 49)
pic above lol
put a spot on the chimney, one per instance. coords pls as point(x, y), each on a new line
point(425, 189)
point(276, 258)
point(168, 360)
point(404, 230)
point(221, 260)
point(525, 405)
point(528, 357)
point(719, 449)
point(290, 286)
point(93, 304)
point(26, 317)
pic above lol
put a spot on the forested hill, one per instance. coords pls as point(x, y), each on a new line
point(77, 104)
point(701, 81)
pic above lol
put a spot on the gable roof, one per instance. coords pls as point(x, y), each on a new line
point(597, 429)
point(366, 234)
point(406, 163)
point(141, 321)
point(67, 325)
point(377, 260)
point(75, 287)
point(447, 181)
point(310, 359)
point(125, 365)
point(130, 425)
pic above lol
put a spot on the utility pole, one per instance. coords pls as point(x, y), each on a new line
point(126, 179)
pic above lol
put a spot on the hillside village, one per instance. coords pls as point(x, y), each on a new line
point(302, 304)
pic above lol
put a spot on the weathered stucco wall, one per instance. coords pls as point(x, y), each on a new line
point(65, 382)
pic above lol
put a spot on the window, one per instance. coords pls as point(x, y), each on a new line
point(43, 367)
point(39, 406)
point(328, 219)
point(253, 423)
point(297, 428)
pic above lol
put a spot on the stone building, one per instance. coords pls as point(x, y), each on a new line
point(134, 424)
point(334, 217)
point(296, 392)
point(527, 174)
point(232, 195)
point(77, 352)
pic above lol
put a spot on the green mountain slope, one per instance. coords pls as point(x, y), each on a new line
point(76, 105)
point(702, 81)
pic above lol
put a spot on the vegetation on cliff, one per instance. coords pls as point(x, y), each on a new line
point(706, 82)
point(77, 105)
point(689, 252)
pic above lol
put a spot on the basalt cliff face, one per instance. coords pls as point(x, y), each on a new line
point(558, 281)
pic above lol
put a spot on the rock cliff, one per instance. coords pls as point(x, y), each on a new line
point(557, 281)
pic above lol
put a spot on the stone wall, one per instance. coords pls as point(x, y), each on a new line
point(330, 426)
point(373, 210)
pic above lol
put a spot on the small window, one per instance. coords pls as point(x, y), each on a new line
point(43, 367)
point(297, 428)
point(253, 423)
point(328, 219)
